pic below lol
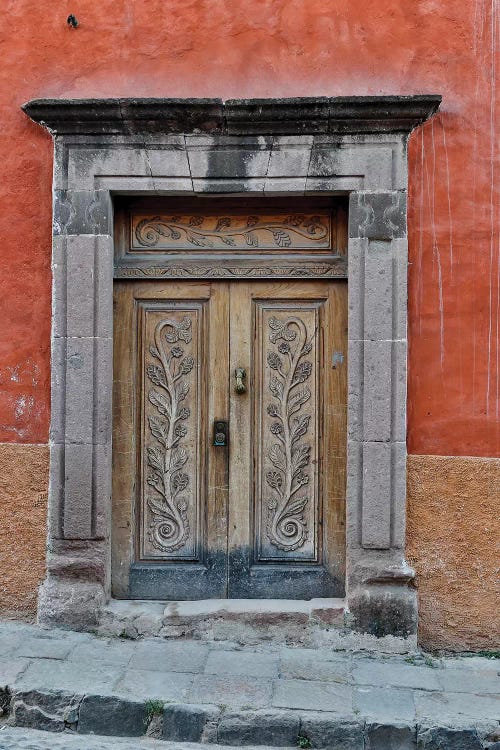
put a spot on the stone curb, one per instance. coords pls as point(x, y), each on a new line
point(60, 711)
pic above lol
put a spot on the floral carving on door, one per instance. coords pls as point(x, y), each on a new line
point(289, 454)
point(166, 455)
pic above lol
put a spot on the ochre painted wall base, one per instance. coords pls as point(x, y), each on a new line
point(24, 471)
point(453, 544)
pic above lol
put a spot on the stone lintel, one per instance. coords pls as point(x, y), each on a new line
point(300, 115)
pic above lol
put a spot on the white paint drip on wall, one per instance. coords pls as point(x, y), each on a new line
point(435, 249)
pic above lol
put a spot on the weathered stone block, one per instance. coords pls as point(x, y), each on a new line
point(165, 686)
point(78, 491)
point(377, 397)
point(79, 391)
point(356, 254)
point(313, 695)
point(76, 605)
point(82, 212)
point(384, 610)
point(331, 731)
point(378, 301)
point(251, 664)
point(190, 723)
point(80, 284)
point(170, 657)
point(110, 715)
point(40, 709)
point(102, 394)
point(275, 728)
point(289, 162)
point(442, 738)
point(389, 704)
point(376, 512)
point(231, 690)
point(230, 163)
point(378, 216)
point(390, 737)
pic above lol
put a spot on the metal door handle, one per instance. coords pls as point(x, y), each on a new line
point(240, 375)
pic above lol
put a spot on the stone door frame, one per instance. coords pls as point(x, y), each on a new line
point(354, 146)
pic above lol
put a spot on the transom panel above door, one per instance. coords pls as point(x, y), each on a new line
point(229, 439)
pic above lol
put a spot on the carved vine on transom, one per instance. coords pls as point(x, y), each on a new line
point(169, 527)
point(228, 230)
point(290, 457)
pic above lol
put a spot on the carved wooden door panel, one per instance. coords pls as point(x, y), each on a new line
point(288, 438)
point(263, 515)
point(169, 487)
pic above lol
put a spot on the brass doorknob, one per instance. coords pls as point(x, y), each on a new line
point(240, 375)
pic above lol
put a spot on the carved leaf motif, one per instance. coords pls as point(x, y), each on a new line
point(282, 239)
point(182, 391)
point(195, 221)
point(299, 427)
point(156, 457)
point(180, 482)
point(159, 428)
point(276, 387)
point(274, 361)
point(156, 375)
point(277, 457)
point(273, 410)
point(300, 457)
point(169, 526)
point(198, 239)
point(179, 458)
point(280, 331)
point(252, 239)
point(296, 507)
point(297, 400)
point(286, 524)
point(161, 403)
point(222, 223)
point(274, 479)
point(186, 365)
point(302, 372)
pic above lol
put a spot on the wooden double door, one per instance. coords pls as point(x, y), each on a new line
point(229, 439)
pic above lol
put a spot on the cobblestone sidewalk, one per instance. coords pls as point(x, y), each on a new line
point(266, 695)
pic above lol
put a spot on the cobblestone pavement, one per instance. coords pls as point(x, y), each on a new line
point(221, 692)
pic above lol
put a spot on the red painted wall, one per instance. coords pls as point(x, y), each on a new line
point(233, 48)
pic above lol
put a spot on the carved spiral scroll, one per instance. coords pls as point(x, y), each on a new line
point(290, 457)
point(169, 527)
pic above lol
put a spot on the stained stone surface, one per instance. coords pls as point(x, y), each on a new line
point(222, 692)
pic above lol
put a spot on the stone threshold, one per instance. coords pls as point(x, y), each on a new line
point(245, 621)
point(314, 623)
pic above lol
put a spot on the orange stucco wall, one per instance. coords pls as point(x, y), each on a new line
point(233, 48)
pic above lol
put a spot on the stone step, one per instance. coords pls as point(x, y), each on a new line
point(312, 623)
point(118, 717)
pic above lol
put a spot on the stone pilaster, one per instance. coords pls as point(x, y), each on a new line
point(380, 592)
